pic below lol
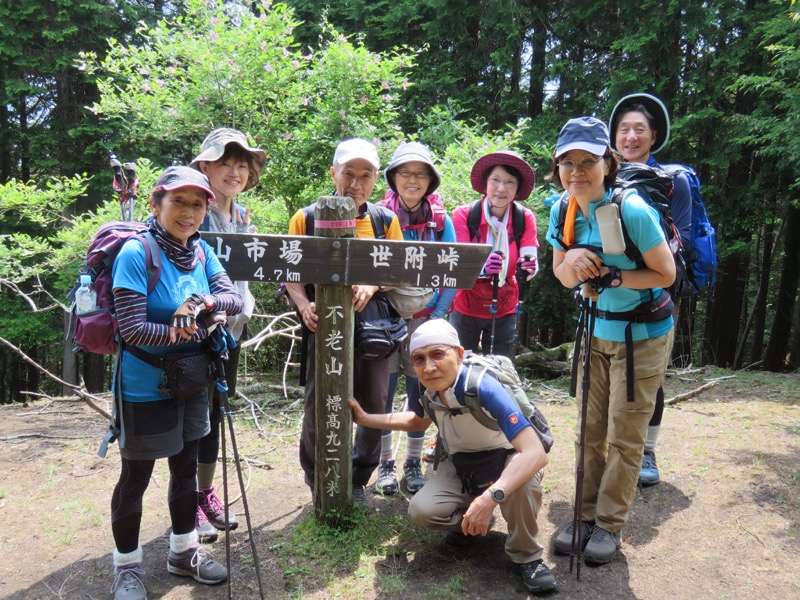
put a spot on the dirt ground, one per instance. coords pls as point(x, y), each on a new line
point(723, 522)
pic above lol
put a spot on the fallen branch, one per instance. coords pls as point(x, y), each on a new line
point(692, 394)
point(88, 398)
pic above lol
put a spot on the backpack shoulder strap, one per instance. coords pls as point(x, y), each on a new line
point(517, 224)
point(381, 218)
point(308, 213)
point(474, 219)
point(631, 249)
point(152, 259)
point(472, 388)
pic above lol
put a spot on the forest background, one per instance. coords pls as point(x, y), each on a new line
point(147, 80)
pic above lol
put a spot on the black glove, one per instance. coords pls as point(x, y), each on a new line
point(187, 313)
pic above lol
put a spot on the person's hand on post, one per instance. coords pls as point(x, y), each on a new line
point(478, 516)
point(362, 294)
point(493, 264)
point(358, 412)
point(309, 316)
point(585, 263)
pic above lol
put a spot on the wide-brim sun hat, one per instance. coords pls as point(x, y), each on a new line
point(654, 106)
point(508, 158)
point(214, 145)
point(583, 133)
point(412, 152)
point(177, 177)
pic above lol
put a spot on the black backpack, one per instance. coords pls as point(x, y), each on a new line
point(655, 186)
point(517, 222)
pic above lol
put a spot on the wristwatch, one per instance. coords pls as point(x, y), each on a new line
point(498, 494)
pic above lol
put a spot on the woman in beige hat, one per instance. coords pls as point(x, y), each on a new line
point(232, 167)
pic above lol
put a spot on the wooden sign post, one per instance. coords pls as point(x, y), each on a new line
point(335, 263)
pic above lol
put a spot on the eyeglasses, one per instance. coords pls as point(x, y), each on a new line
point(418, 175)
point(498, 183)
point(583, 164)
point(437, 355)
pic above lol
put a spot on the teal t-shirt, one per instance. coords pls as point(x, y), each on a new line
point(140, 381)
point(641, 221)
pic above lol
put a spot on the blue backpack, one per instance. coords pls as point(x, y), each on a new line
point(701, 256)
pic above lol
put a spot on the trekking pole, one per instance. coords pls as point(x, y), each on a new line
point(120, 185)
point(132, 189)
point(590, 314)
point(221, 340)
point(523, 277)
point(493, 308)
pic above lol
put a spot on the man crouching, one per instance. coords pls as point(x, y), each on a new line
point(487, 467)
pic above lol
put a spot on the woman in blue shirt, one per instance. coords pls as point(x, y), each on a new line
point(155, 422)
point(620, 399)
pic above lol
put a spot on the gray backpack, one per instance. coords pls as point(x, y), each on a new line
point(502, 369)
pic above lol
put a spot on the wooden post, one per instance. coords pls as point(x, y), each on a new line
point(334, 264)
point(334, 217)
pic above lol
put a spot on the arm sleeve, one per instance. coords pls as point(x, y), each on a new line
point(502, 407)
point(134, 327)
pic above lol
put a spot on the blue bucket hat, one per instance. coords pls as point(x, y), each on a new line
point(583, 133)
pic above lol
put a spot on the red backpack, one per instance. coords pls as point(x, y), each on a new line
point(98, 331)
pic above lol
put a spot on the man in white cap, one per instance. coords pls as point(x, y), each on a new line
point(511, 457)
point(354, 174)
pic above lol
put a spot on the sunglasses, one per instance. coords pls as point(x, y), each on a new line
point(437, 355)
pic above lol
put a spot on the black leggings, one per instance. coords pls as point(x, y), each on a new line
point(658, 411)
point(126, 502)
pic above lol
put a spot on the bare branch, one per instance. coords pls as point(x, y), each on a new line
point(90, 399)
point(692, 394)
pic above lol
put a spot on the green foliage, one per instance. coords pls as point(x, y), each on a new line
point(222, 65)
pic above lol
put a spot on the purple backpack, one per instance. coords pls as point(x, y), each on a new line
point(98, 331)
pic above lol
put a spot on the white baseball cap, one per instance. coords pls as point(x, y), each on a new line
point(355, 148)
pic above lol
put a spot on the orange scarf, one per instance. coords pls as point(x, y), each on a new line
point(569, 221)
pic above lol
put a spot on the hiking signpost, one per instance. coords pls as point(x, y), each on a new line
point(334, 260)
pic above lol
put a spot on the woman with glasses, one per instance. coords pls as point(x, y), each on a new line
point(413, 181)
point(486, 315)
point(628, 359)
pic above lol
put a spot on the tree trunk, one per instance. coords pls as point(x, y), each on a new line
point(538, 43)
point(720, 329)
point(775, 356)
point(760, 304)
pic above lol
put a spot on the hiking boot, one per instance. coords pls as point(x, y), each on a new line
point(536, 577)
point(360, 499)
point(649, 472)
point(458, 539)
point(206, 532)
point(197, 563)
point(602, 546)
point(414, 478)
point(210, 503)
point(387, 480)
point(564, 538)
point(128, 583)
